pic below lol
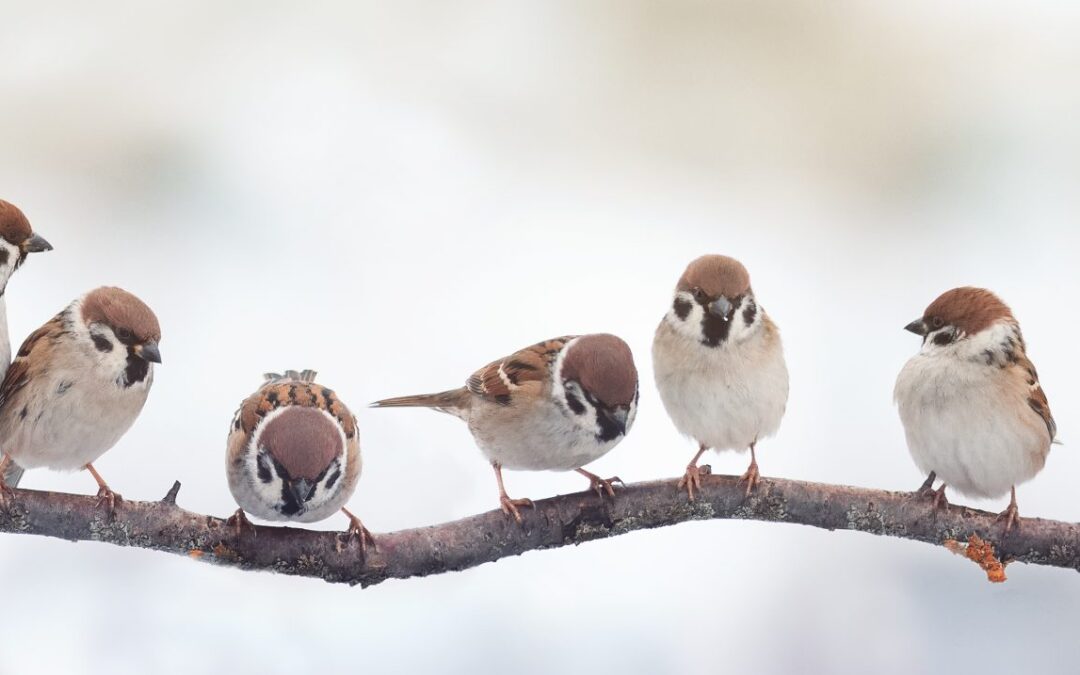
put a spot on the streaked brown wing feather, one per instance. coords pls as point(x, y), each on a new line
point(21, 370)
point(497, 381)
point(275, 394)
point(1037, 398)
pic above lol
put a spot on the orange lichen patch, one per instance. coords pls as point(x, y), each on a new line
point(981, 552)
point(196, 553)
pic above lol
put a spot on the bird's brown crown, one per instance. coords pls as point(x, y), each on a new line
point(604, 366)
point(717, 275)
point(121, 310)
point(303, 440)
point(14, 226)
point(969, 309)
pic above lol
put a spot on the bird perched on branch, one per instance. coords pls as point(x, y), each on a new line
point(294, 454)
point(555, 406)
point(77, 385)
point(973, 410)
point(719, 364)
point(17, 241)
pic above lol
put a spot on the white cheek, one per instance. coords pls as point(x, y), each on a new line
point(8, 266)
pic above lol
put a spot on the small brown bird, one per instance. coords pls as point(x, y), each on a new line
point(555, 406)
point(17, 241)
point(294, 454)
point(77, 385)
point(973, 410)
point(719, 364)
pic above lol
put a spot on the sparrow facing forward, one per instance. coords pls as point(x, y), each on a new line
point(77, 385)
point(294, 454)
point(719, 364)
point(17, 241)
point(973, 411)
point(555, 406)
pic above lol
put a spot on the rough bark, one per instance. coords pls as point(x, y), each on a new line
point(556, 522)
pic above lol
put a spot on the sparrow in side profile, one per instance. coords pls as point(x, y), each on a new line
point(555, 406)
point(17, 241)
point(294, 454)
point(719, 364)
point(973, 411)
point(77, 385)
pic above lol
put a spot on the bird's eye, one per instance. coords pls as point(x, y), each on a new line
point(124, 334)
point(699, 294)
point(937, 322)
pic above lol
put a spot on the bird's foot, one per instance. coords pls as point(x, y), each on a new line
point(510, 506)
point(752, 478)
point(1011, 516)
point(691, 480)
point(108, 499)
point(357, 532)
point(602, 485)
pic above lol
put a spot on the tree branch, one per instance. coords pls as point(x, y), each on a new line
point(556, 522)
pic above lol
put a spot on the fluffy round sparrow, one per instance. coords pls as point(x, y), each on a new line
point(294, 454)
point(719, 364)
point(77, 385)
point(973, 411)
point(555, 406)
point(17, 241)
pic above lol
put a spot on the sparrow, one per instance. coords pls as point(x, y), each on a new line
point(973, 410)
point(17, 241)
point(76, 386)
point(294, 454)
point(719, 365)
point(555, 406)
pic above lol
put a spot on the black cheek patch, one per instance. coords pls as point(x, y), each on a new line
point(333, 478)
point(682, 308)
point(574, 404)
point(263, 470)
point(942, 339)
point(750, 313)
point(5, 255)
point(102, 343)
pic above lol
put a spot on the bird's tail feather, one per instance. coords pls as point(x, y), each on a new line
point(444, 400)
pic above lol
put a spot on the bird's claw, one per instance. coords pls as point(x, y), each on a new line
point(752, 477)
point(108, 499)
point(510, 506)
point(357, 532)
point(691, 480)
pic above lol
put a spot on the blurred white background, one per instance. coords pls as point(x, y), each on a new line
point(396, 193)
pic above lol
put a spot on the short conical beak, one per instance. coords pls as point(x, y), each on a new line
point(300, 489)
point(149, 352)
point(917, 326)
point(36, 244)
point(721, 308)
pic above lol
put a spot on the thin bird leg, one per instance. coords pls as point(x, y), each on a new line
point(1011, 515)
point(509, 506)
point(358, 532)
point(752, 475)
point(7, 493)
point(692, 478)
point(601, 485)
point(105, 493)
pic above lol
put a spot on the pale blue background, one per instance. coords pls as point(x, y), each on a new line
point(396, 193)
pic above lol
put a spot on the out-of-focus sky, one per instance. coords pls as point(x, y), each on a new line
point(396, 193)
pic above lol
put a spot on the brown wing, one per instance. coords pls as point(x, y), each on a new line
point(1037, 397)
point(527, 368)
point(20, 372)
point(277, 393)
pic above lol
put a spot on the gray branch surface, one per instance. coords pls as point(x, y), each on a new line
point(560, 521)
